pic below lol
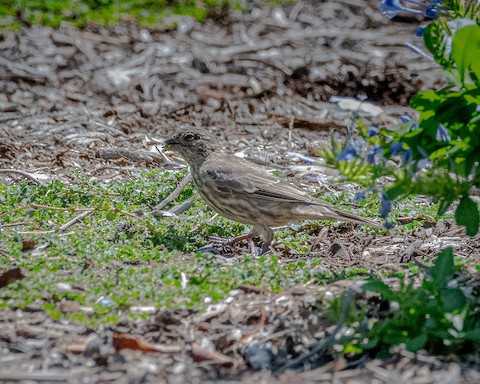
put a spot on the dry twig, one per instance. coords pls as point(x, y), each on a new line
point(183, 183)
point(23, 173)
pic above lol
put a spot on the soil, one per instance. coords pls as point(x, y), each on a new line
point(100, 100)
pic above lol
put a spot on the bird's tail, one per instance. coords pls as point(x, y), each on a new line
point(356, 219)
point(326, 212)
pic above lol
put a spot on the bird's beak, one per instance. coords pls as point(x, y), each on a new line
point(172, 142)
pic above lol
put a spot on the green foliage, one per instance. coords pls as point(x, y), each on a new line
point(436, 315)
point(105, 12)
point(112, 256)
point(465, 49)
point(131, 261)
point(438, 156)
point(467, 215)
point(462, 8)
point(448, 128)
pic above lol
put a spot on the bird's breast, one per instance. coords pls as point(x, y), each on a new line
point(244, 208)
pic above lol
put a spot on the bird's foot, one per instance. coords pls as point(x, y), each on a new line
point(209, 248)
point(219, 245)
point(262, 251)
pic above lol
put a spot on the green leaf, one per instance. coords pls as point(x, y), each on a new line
point(443, 206)
point(453, 299)
point(110, 215)
point(434, 41)
point(416, 343)
point(467, 215)
point(397, 190)
point(441, 152)
point(352, 349)
point(379, 287)
point(443, 269)
point(472, 335)
point(466, 50)
point(425, 100)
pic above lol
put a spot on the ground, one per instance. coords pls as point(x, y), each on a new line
point(84, 114)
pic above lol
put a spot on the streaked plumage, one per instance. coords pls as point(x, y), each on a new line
point(245, 192)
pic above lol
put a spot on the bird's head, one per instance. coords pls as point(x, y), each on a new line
point(194, 145)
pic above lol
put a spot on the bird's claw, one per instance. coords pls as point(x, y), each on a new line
point(262, 251)
point(209, 248)
point(220, 245)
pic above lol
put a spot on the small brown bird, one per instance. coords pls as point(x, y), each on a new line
point(245, 192)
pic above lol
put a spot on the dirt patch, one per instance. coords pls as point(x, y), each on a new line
point(70, 96)
point(230, 342)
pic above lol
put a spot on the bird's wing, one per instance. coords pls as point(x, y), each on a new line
point(236, 175)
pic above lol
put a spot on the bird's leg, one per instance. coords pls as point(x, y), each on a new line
point(267, 237)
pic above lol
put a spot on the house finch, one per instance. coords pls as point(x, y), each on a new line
point(245, 192)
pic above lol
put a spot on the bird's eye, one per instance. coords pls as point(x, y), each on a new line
point(189, 137)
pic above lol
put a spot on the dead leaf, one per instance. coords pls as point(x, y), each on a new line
point(69, 306)
point(28, 245)
point(122, 341)
point(8, 277)
point(212, 357)
point(252, 288)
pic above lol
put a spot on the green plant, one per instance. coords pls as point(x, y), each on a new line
point(438, 155)
point(105, 12)
point(436, 315)
point(114, 259)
